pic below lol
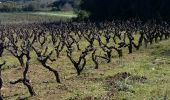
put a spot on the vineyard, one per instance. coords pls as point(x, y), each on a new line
point(85, 60)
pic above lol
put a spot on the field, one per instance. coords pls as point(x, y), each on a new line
point(59, 14)
point(152, 63)
point(32, 17)
point(143, 74)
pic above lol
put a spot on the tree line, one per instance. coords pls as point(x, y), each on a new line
point(11, 6)
point(36, 5)
point(125, 9)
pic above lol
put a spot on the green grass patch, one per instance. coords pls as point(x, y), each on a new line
point(34, 17)
point(149, 77)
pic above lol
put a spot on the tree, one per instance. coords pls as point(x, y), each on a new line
point(124, 9)
point(66, 4)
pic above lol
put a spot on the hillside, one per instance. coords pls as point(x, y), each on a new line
point(38, 5)
point(27, 1)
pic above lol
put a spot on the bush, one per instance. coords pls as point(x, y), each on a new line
point(29, 7)
point(55, 9)
point(82, 15)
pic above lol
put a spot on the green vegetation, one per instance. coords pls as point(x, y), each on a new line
point(67, 14)
point(38, 5)
point(31, 17)
point(127, 9)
